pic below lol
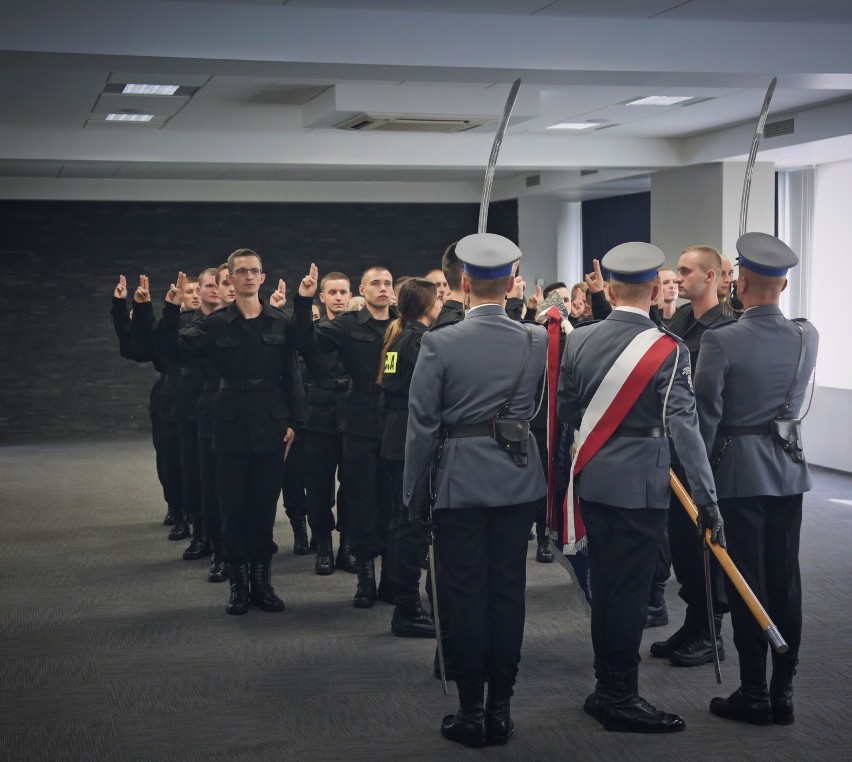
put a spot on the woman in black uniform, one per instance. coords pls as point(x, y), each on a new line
point(418, 305)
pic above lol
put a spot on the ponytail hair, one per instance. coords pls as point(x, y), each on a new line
point(414, 300)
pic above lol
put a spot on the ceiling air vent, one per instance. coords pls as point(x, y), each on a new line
point(533, 180)
point(779, 128)
point(408, 123)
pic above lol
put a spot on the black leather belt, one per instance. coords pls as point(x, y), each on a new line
point(250, 384)
point(733, 431)
point(192, 372)
point(331, 384)
point(369, 387)
point(484, 429)
point(639, 432)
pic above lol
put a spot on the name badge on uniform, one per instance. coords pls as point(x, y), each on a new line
point(390, 362)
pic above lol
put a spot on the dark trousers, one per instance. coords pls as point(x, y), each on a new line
point(483, 555)
point(623, 548)
point(687, 557)
point(406, 543)
point(293, 480)
point(157, 436)
point(190, 468)
point(248, 494)
point(210, 493)
point(170, 446)
point(323, 456)
point(763, 541)
point(367, 495)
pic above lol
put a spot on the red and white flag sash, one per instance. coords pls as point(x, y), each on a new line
point(616, 395)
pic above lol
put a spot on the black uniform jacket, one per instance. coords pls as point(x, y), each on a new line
point(328, 383)
point(399, 367)
point(256, 361)
point(357, 337)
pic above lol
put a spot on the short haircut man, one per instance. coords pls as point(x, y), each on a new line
point(452, 267)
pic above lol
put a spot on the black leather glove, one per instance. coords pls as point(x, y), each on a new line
point(418, 517)
point(710, 518)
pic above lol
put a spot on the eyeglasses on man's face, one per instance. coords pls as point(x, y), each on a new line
point(243, 271)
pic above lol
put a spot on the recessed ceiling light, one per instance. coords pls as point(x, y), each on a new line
point(660, 100)
point(150, 89)
point(129, 117)
point(574, 126)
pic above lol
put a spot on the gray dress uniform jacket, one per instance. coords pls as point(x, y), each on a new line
point(744, 372)
point(633, 472)
point(463, 375)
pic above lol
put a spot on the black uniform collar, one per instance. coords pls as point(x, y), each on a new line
point(232, 312)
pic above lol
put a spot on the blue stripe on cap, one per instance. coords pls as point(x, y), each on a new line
point(642, 277)
point(769, 272)
point(488, 272)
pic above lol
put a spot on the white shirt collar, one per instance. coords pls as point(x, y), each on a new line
point(634, 310)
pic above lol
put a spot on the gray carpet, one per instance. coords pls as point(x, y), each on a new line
point(113, 648)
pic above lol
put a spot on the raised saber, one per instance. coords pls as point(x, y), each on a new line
point(758, 612)
point(752, 155)
point(492, 160)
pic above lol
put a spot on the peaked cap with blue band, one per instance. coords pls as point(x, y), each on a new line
point(765, 255)
point(487, 255)
point(633, 262)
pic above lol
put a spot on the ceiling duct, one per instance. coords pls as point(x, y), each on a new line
point(779, 128)
point(411, 123)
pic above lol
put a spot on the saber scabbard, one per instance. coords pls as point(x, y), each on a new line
point(766, 624)
point(436, 613)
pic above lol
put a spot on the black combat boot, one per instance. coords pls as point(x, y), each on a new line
point(699, 649)
point(411, 620)
point(365, 593)
point(262, 594)
point(169, 518)
point(688, 630)
point(346, 560)
point(199, 546)
point(781, 687)
point(543, 554)
point(467, 726)
point(498, 722)
point(626, 712)
point(218, 568)
point(324, 565)
point(180, 530)
point(238, 602)
point(658, 613)
point(300, 536)
point(750, 702)
point(594, 703)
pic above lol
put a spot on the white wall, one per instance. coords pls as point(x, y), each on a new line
point(538, 226)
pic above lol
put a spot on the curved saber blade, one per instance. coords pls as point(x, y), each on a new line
point(752, 156)
point(492, 160)
point(711, 618)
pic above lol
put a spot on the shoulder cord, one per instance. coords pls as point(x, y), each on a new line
point(504, 408)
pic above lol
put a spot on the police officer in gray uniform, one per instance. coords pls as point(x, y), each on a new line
point(624, 490)
point(486, 495)
point(749, 373)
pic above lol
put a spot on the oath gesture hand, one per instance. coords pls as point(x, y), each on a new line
point(175, 293)
point(536, 299)
point(308, 284)
point(278, 298)
point(594, 280)
point(143, 292)
point(121, 289)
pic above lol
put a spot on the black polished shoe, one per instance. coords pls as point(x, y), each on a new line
point(324, 565)
point(169, 518)
point(680, 637)
point(218, 568)
point(199, 547)
point(625, 711)
point(466, 728)
point(238, 602)
point(300, 536)
point(262, 593)
point(543, 554)
point(499, 727)
point(346, 560)
point(411, 620)
point(754, 709)
point(696, 652)
point(180, 530)
point(365, 593)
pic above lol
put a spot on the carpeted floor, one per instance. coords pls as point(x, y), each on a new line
point(113, 648)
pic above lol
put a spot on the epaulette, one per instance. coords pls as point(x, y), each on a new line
point(584, 323)
point(717, 326)
point(444, 325)
point(799, 320)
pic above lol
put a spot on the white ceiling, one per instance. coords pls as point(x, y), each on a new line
point(267, 80)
